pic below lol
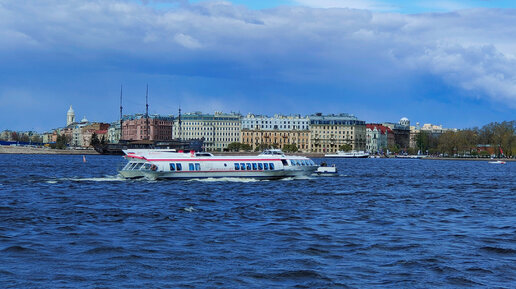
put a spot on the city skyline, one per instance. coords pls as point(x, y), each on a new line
point(451, 65)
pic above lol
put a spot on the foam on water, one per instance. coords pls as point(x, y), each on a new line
point(234, 180)
point(116, 178)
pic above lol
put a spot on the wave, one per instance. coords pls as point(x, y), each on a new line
point(233, 180)
point(499, 250)
point(18, 249)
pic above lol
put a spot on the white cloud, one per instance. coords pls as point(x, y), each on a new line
point(187, 41)
point(353, 4)
point(472, 50)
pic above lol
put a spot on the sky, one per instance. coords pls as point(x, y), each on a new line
point(441, 62)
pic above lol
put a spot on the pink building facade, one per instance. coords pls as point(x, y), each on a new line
point(135, 128)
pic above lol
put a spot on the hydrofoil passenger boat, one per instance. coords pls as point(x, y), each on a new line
point(169, 164)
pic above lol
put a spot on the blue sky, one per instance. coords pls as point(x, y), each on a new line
point(440, 62)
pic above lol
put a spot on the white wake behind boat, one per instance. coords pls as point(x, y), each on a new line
point(169, 164)
point(351, 154)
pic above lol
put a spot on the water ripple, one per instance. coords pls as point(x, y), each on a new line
point(381, 223)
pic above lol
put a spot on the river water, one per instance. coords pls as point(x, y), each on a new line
point(382, 223)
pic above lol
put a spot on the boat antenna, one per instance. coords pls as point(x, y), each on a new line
point(179, 121)
point(147, 112)
point(121, 116)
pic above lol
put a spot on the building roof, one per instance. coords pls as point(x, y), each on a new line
point(379, 127)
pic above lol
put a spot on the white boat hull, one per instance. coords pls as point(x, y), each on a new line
point(266, 175)
point(351, 155)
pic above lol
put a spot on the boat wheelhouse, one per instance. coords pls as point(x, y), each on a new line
point(168, 164)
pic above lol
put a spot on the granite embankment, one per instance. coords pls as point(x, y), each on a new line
point(47, 151)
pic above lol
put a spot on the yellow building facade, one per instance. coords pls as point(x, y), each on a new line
point(260, 139)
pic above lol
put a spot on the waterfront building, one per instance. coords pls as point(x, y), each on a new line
point(278, 122)
point(329, 132)
point(377, 138)
point(260, 139)
point(114, 132)
point(217, 130)
point(87, 131)
point(47, 137)
point(154, 128)
point(401, 133)
point(262, 132)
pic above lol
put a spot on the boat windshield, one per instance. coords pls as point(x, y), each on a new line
point(273, 152)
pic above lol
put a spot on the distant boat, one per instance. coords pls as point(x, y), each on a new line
point(497, 162)
point(411, 156)
point(351, 154)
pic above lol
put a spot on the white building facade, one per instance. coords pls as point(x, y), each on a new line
point(278, 122)
point(217, 130)
point(376, 138)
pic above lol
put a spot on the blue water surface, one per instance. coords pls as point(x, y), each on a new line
point(382, 223)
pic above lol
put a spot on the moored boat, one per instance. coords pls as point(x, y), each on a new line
point(169, 164)
point(351, 154)
point(411, 156)
point(497, 162)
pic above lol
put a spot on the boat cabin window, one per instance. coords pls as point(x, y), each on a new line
point(237, 167)
point(147, 166)
point(271, 166)
point(260, 166)
point(197, 167)
point(284, 162)
point(266, 166)
point(248, 166)
point(179, 167)
point(292, 162)
point(138, 166)
point(172, 167)
point(242, 166)
point(191, 167)
point(255, 167)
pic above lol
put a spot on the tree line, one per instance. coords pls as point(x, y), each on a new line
point(501, 137)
